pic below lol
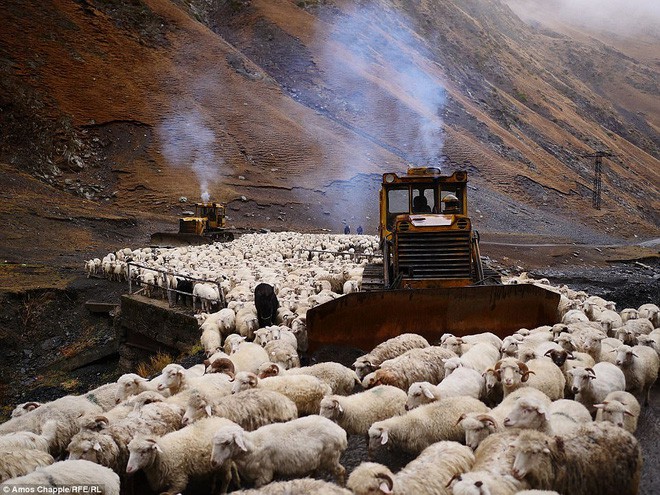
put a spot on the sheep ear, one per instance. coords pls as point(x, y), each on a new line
point(384, 437)
point(599, 406)
point(427, 393)
point(546, 450)
point(628, 413)
point(240, 441)
point(387, 483)
point(97, 447)
point(339, 408)
point(208, 410)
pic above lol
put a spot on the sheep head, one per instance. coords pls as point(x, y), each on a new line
point(244, 380)
point(527, 413)
point(558, 356)
point(532, 450)
point(377, 436)
point(198, 407)
point(614, 411)
point(371, 477)
point(331, 408)
point(477, 427)
point(227, 441)
point(143, 452)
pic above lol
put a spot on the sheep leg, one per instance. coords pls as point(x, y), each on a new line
point(340, 473)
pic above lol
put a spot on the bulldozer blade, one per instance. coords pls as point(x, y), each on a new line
point(173, 239)
point(364, 319)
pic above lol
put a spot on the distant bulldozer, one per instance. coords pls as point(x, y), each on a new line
point(205, 227)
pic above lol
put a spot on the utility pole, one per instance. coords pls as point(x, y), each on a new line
point(598, 156)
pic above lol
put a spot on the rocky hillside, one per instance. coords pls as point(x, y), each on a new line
point(114, 111)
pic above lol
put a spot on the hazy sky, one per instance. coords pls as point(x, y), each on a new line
point(623, 16)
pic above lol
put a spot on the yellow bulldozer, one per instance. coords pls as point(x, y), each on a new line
point(207, 225)
point(431, 280)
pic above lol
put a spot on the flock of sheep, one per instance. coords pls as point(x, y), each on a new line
point(552, 408)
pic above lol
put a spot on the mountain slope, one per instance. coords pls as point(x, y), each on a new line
point(299, 109)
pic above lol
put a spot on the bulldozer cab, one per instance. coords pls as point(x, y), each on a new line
point(208, 216)
point(425, 231)
point(214, 213)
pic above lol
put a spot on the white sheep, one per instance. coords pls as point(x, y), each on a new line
point(620, 408)
point(250, 409)
point(64, 411)
point(106, 443)
point(29, 440)
point(547, 377)
point(132, 384)
point(416, 365)
point(67, 473)
point(480, 356)
point(491, 471)
point(304, 390)
point(484, 483)
point(640, 367)
point(591, 385)
point(651, 340)
point(598, 458)
point(573, 316)
point(19, 462)
point(429, 473)
point(356, 413)
point(301, 486)
point(462, 381)
point(479, 426)
point(24, 408)
point(206, 295)
point(104, 396)
point(389, 349)
point(424, 425)
point(651, 312)
point(246, 357)
point(171, 460)
point(175, 379)
point(339, 378)
point(282, 353)
point(247, 322)
point(628, 314)
point(211, 340)
point(562, 417)
point(296, 448)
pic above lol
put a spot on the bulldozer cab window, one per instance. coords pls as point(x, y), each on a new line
point(451, 201)
point(423, 201)
point(398, 202)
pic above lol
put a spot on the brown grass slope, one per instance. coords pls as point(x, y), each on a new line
point(121, 108)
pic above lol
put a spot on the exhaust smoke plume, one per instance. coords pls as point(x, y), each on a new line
point(380, 69)
point(189, 143)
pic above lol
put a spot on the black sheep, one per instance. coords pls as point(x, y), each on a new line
point(266, 302)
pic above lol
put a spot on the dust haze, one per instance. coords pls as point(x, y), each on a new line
point(623, 17)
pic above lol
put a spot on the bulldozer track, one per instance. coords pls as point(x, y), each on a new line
point(372, 277)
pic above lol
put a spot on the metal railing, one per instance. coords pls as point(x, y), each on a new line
point(221, 301)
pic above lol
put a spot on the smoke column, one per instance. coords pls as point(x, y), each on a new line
point(382, 50)
point(188, 142)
